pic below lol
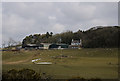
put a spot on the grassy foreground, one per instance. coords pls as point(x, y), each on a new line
point(88, 63)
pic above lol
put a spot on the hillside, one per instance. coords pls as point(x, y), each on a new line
point(96, 37)
point(87, 63)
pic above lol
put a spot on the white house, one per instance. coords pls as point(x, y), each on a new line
point(76, 43)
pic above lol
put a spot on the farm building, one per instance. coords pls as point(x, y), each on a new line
point(33, 46)
point(63, 45)
point(76, 43)
point(46, 46)
point(53, 46)
point(58, 46)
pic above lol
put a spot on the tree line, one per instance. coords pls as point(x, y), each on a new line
point(96, 37)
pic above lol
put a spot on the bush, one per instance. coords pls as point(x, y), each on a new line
point(24, 74)
point(83, 79)
point(29, 74)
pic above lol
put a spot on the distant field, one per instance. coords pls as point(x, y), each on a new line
point(88, 63)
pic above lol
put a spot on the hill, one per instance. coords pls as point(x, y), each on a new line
point(96, 37)
point(87, 63)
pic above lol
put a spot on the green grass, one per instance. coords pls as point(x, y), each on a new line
point(87, 63)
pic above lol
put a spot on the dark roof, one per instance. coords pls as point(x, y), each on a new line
point(75, 41)
point(32, 45)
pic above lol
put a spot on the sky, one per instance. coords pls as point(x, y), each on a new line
point(20, 19)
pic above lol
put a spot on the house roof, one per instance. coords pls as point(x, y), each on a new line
point(46, 43)
point(75, 41)
point(31, 44)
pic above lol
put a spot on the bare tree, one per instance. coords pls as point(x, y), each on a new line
point(3, 44)
point(11, 42)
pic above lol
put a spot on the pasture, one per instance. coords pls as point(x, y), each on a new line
point(87, 63)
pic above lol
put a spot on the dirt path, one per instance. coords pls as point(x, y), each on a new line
point(18, 62)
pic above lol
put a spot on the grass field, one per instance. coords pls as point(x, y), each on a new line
point(88, 63)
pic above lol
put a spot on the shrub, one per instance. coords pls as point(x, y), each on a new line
point(24, 74)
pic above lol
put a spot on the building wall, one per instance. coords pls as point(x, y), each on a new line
point(76, 44)
point(46, 46)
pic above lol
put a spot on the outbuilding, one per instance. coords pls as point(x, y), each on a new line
point(58, 46)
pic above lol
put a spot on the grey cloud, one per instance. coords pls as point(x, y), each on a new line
point(21, 19)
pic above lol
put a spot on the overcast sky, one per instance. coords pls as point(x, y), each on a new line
point(21, 19)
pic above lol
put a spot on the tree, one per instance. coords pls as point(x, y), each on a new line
point(67, 37)
point(92, 38)
point(47, 35)
point(51, 33)
point(11, 42)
